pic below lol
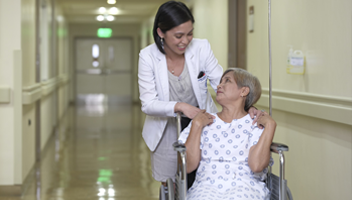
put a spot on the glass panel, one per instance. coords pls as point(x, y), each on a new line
point(111, 53)
point(95, 51)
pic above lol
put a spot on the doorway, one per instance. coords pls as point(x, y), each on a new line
point(103, 82)
point(237, 34)
point(104, 68)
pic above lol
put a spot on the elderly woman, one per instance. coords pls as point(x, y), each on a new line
point(231, 154)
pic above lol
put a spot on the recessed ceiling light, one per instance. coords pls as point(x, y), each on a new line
point(100, 18)
point(110, 18)
point(111, 1)
point(102, 10)
point(113, 10)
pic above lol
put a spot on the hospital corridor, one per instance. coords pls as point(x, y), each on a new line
point(96, 153)
point(71, 116)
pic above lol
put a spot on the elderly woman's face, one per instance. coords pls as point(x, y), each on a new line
point(227, 89)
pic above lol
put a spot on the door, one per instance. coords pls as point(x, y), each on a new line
point(237, 34)
point(103, 66)
point(103, 79)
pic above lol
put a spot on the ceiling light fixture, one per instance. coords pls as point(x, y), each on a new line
point(100, 18)
point(111, 1)
point(110, 18)
point(113, 10)
point(102, 10)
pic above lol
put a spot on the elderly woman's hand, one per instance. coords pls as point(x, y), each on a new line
point(203, 119)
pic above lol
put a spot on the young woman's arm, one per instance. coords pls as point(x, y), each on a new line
point(150, 87)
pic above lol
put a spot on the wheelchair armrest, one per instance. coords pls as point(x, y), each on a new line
point(276, 147)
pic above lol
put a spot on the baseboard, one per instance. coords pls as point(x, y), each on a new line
point(18, 190)
point(11, 191)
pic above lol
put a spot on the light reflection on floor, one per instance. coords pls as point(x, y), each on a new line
point(97, 154)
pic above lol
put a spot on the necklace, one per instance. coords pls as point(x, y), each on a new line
point(172, 72)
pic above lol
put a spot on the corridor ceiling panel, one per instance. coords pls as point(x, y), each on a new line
point(130, 11)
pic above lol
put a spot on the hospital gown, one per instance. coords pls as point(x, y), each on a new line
point(223, 172)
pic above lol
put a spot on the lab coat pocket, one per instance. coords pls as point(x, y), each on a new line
point(202, 82)
point(203, 89)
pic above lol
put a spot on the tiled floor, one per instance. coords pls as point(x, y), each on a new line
point(97, 154)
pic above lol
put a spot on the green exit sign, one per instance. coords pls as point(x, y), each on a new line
point(104, 32)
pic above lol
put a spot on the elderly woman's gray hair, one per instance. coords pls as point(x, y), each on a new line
point(246, 79)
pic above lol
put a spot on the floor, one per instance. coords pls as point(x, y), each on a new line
point(96, 154)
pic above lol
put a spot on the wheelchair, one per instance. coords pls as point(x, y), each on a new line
point(277, 185)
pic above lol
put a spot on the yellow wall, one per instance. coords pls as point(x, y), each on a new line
point(28, 41)
point(211, 23)
point(313, 111)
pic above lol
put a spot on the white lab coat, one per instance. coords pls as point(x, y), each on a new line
point(154, 85)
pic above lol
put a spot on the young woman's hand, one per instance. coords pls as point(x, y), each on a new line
point(265, 120)
point(203, 119)
point(254, 113)
point(187, 109)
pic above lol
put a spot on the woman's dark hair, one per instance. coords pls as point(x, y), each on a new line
point(170, 15)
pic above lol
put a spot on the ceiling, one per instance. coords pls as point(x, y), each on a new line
point(130, 11)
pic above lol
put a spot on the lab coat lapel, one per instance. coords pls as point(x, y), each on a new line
point(193, 69)
point(161, 71)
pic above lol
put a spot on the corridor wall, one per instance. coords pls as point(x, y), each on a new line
point(314, 110)
point(11, 107)
point(18, 71)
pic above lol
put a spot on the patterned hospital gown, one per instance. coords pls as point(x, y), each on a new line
point(223, 172)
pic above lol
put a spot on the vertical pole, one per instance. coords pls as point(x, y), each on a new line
point(270, 69)
point(37, 104)
point(37, 79)
point(282, 191)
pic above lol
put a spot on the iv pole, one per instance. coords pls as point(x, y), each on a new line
point(270, 71)
point(282, 183)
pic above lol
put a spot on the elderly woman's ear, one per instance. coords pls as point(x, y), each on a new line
point(244, 91)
